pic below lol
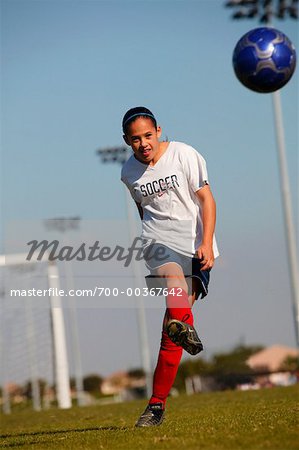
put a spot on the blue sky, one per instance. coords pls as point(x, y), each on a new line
point(71, 69)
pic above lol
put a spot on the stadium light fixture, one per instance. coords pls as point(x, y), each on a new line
point(264, 9)
point(63, 224)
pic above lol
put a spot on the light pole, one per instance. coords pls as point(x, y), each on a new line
point(31, 342)
point(120, 155)
point(6, 405)
point(64, 224)
point(60, 353)
point(265, 10)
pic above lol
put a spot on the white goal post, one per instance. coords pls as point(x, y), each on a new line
point(62, 380)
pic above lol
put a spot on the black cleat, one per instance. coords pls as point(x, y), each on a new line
point(184, 335)
point(152, 416)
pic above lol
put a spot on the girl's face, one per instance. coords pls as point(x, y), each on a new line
point(143, 138)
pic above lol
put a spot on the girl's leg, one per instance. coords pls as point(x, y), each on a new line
point(177, 300)
point(167, 365)
point(178, 307)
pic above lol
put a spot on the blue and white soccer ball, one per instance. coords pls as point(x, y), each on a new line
point(264, 59)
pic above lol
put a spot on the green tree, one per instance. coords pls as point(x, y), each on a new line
point(290, 364)
point(92, 383)
point(72, 383)
point(227, 369)
point(230, 369)
point(136, 373)
point(190, 368)
point(27, 388)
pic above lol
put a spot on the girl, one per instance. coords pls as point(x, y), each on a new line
point(169, 183)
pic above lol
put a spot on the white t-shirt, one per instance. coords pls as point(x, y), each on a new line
point(166, 192)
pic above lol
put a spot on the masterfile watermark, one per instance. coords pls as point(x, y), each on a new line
point(53, 250)
point(98, 291)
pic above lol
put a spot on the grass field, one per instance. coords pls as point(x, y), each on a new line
point(265, 419)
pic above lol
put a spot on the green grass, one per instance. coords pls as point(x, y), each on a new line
point(265, 419)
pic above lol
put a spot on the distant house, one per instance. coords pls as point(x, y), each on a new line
point(268, 365)
point(271, 358)
point(120, 381)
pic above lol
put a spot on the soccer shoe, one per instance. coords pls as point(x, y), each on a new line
point(184, 335)
point(152, 416)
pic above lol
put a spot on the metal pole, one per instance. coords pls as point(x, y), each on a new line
point(6, 407)
point(31, 338)
point(250, 10)
point(287, 209)
point(120, 155)
point(60, 352)
point(63, 224)
point(144, 347)
point(75, 336)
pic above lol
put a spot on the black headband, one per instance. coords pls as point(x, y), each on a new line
point(138, 114)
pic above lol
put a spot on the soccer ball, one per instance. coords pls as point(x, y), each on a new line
point(264, 59)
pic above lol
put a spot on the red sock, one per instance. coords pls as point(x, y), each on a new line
point(166, 369)
point(170, 354)
point(178, 305)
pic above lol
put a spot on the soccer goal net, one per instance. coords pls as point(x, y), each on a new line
point(32, 338)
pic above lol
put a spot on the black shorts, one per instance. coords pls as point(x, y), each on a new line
point(157, 255)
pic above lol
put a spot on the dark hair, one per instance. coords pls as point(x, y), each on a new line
point(134, 113)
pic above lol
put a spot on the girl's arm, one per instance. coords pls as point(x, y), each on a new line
point(208, 205)
point(140, 210)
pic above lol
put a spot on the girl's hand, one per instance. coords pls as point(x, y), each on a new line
point(206, 255)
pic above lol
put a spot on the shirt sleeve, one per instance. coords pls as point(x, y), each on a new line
point(195, 168)
point(130, 188)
